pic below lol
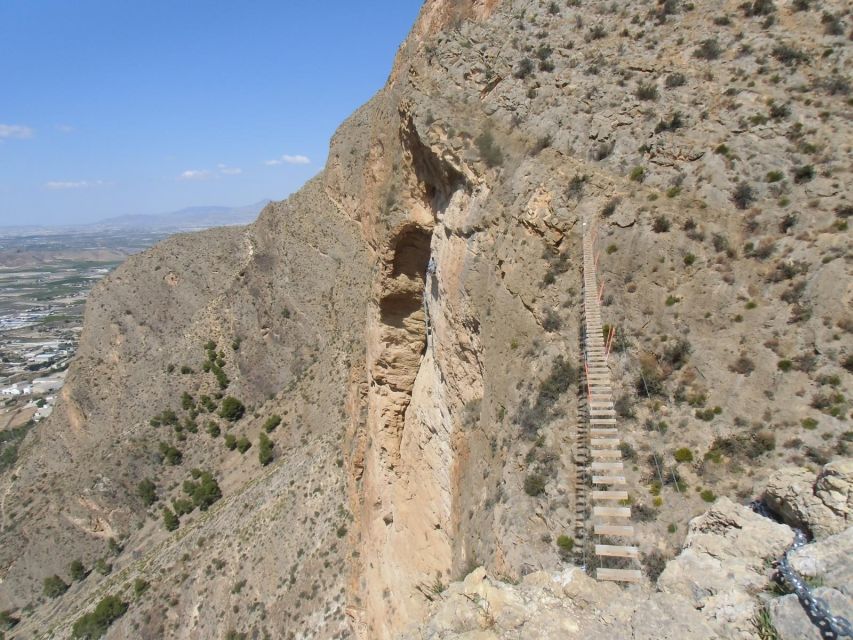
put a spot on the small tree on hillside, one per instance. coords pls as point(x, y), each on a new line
point(232, 409)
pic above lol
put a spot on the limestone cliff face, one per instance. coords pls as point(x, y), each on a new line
point(427, 413)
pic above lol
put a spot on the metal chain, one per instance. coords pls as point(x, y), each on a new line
point(831, 627)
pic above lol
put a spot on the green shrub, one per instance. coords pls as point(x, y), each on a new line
point(661, 224)
point(230, 441)
point(809, 424)
point(552, 321)
point(232, 409)
point(758, 8)
point(610, 207)
point(271, 423)
point(207, 403)
point(677, 352)
point(7, 621)
point(115, 546)
point(265, 450)
point(565, 545)
point(525, 68)
point(597, 32)
point(747, 446)
point(170, 455)
point(167, 417)
point(708, 50)
point(758, 119)
point(674, 80)
point(743, 365)
point(534, 484)
point(103, 567)
point(561, 377)
point(671, 300)
point(92, 626)
point(803, 173)
point(576, 185)
point(54, 586)
point(788, 55)
point(689, 259)
point(140, 586)
point(654, 563)
point(705, 414)
point(646, 91)
point(204, 492)
point(243, 444)
point(707, 495)
point(637, 174)
point(182, 506)
point(147, 491)
point(624, 406)
point(774, 176)
point(785, 365)
point(170, 520)
point(683, 455)
point(489, 150)
point(76, 570)
point(221, 379)
point(650, 382)
point(743, 195)
point(779, 111)
point(213, 429)
point(628, 452)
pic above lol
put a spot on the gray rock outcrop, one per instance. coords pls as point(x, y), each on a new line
point(822, 505)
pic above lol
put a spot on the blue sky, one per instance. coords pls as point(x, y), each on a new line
point(113, 107)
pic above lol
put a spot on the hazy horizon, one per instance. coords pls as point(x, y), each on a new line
point(12, 224)
point(225, 106)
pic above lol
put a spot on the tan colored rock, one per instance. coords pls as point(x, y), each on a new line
point(726, 559)
point(828, 561)
point(791, 621)
point(823, 505)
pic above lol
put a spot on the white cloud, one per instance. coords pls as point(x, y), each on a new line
point(286, 159)
point(15, 131)
point(229, 171)
point(72, 184)
point(194, 174)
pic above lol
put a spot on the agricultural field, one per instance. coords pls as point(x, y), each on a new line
point(44, 282)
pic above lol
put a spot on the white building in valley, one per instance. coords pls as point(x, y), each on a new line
point(17, 390)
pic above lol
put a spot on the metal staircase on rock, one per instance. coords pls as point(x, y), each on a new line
point(598, 455)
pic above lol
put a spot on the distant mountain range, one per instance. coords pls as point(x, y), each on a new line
point(188, 219)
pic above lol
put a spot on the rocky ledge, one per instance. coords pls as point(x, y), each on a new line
point(721, 585)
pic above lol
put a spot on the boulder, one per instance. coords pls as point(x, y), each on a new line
point(823, 506)
point(726, 559)
point(828, 561)
point(791, 621)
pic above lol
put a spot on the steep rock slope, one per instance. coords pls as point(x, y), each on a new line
point(427, 413)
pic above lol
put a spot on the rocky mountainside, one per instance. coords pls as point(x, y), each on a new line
point(300, 429)
point(719, 586)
